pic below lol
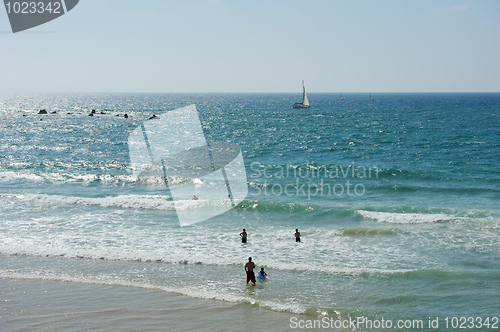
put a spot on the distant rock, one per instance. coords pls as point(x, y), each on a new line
point(42, 112)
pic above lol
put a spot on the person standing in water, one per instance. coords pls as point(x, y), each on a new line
point(243, 236)
point(249, 266)
point(297, 235)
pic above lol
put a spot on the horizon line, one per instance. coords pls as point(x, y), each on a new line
point(230, 92)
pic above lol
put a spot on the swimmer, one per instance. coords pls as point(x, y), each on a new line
point(243, 236)
point(262, 273)
point(297, 235)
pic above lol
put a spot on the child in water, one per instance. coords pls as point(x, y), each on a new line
point(262, 274)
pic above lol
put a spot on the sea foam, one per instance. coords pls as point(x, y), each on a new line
point(404, 218)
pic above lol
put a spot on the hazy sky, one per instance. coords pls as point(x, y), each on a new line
point(257, 46)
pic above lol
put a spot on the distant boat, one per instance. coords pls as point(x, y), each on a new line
point(371, 98)
point(340, 97)
point(305, 101)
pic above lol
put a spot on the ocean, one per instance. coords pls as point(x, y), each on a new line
point(396, 199)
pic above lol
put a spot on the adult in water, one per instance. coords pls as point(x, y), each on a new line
point(297, 235)
point(243, 236)
point(249, 266)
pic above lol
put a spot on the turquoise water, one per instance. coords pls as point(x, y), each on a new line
point(396, 200)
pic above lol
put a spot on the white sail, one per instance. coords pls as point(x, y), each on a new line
point(305, 101)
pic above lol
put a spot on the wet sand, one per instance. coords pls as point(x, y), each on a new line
point(45, 305)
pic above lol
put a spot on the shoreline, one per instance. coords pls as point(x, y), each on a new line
point(58, 306)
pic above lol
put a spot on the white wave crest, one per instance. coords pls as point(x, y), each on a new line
point(152, 202)
point(156, 202)
point(63, 177)
point(404, 218)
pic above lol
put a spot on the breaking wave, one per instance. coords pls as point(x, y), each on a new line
point(404, 218)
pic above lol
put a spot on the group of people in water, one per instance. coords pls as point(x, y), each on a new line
point(195, 198)
point(249, 266)
point(94, 112)
point(244, 235)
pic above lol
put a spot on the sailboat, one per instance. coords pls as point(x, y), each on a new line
point(340, 97)
point(371, 98)
point(305, 101)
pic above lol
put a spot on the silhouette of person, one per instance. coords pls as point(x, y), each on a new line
point(262, 274)
point(297, 235)
point(243, 236)
point(249, 266)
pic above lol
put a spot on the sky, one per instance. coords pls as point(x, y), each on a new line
point(262, 46)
